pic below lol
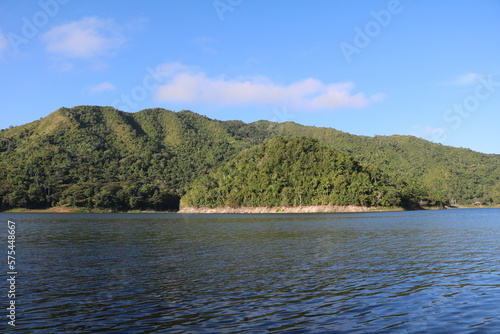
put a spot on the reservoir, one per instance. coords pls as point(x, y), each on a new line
point(415, 271)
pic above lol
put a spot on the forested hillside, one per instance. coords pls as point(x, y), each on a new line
point(100, 157)
point(294, 172)
point(103, 158)
point(437, 172)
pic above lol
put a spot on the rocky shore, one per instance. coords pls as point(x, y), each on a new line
point(284, 209)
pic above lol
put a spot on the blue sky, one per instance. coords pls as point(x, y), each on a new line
point(424, 68)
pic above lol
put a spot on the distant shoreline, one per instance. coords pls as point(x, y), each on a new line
point(248, 210)
point(288, 209)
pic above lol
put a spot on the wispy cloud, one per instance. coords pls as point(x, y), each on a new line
point(205, 44)
point(464, 80)
point(429, 132)
point(187, 84)
point(87, 39)
point(100, 88)
point(3, 42)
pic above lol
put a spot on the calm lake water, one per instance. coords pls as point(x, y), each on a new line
point(418, 272)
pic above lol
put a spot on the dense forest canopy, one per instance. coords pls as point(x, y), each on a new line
point(293, 172)
point(100, 157)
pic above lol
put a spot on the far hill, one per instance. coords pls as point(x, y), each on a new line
point(100, 157)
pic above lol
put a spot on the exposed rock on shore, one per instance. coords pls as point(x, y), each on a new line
point(281, 209)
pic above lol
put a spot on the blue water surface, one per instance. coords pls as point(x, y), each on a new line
point(398, 272)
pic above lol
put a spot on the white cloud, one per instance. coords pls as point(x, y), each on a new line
point(186, 84)
point(464, 80)
point(88, 38)
point(100, 88)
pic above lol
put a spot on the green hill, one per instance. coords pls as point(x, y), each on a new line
point(293, 172)
point(100, 157)
point(434, 171)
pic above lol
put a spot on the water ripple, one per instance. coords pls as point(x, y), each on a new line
point(422, 272)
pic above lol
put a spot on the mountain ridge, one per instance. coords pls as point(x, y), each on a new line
point(92, 156)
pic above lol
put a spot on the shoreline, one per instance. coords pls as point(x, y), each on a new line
point(287, 209)
point(65, 209)
point(247, 210)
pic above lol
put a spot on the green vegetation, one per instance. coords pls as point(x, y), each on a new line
point(293, 172)
point(102, 158)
